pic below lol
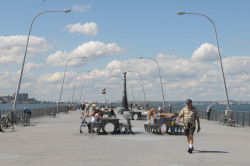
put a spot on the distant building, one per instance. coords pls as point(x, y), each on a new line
point(22, 96)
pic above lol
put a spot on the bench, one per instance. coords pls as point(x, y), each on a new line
point(153, 128)
point(124, 128)
point(231, 122)
point(227, 120)
point(162, 127)
point(96, 125)
point(52, 113)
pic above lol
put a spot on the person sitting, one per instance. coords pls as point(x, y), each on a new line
point(97, 115)
point(112, 112)
point(93, 119)
point(151, 114)
point(128, 117)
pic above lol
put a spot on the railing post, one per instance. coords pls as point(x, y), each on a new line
point(243, 120)
point(237, 114)
point(249, 119)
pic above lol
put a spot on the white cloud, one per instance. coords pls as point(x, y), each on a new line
point(12, 48)
point(30, 66)
point(81, 8)
point(237, 65)
point(92, 50)
point(182, 78)
point(205, 53)
point(90, 28)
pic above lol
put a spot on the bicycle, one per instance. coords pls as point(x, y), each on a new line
point(6, 122)
point(25, 120)
point(84, 122)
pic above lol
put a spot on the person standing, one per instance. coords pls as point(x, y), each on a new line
point(190, 116)
point(170, 108)
point(209, 109)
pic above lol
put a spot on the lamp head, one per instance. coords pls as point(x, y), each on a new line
point(66, 10)
point(180, 12)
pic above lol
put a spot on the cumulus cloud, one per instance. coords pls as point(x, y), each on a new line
point(12, 48)
point(205, 53)
point(182, 78)
point(237, 65)
point(92, 50)
point(81, 8)
point(57, 77)
point(30, 66)
point(90, 28)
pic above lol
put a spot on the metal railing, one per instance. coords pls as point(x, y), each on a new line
point(36, 112)
point(241, 118)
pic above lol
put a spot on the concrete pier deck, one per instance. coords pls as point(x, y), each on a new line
point(57, 142)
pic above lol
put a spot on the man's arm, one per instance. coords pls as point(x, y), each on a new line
point(181, 114)
point(198, 122)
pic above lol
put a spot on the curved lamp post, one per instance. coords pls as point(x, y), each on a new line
point(75, 84)
point(163, 98)
point(142, 85)
point(66, 65)
point(218, 47)
point(26, 49)
point(83, 89)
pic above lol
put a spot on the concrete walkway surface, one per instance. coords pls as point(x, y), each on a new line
point(57, 142)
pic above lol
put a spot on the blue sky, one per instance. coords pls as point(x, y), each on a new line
point(139, 28)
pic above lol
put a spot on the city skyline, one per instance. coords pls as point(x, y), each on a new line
point(113, 35)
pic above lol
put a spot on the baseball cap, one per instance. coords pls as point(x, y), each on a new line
point(188, 101)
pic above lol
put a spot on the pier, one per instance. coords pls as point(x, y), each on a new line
point(57, 142)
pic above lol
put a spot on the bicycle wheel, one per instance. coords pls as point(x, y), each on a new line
point(7, 125)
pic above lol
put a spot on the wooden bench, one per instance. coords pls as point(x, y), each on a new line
point(124, 128)
point(96, 125)
point(231, 122)
point(228, 121)
point(162, 127)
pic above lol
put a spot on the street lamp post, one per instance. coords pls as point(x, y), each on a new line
point(162, 92)
point(75, 85)
point(144, 95)
point(26, 49)
point(83, 95)
point(218, 47)
point(66, 65)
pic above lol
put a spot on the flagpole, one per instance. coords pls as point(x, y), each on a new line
point(105, 98)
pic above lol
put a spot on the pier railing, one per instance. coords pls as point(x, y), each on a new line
point(241, 118)
point(36, 112)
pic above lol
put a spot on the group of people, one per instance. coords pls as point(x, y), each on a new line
point(189, 114)
point(190, 117)
point(96, 115)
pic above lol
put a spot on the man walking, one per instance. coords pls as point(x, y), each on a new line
point(190, 116)
point(209, 109)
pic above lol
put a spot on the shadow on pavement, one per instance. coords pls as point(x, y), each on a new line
point(209, 151)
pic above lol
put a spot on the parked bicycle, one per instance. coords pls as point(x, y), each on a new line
point(25, 119)
point(6, 122)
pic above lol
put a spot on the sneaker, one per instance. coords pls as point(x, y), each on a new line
point(190, 150)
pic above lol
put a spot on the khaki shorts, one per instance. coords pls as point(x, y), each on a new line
point(189, 130)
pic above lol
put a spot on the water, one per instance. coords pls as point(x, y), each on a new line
point(235, 107)
point(22, 106)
